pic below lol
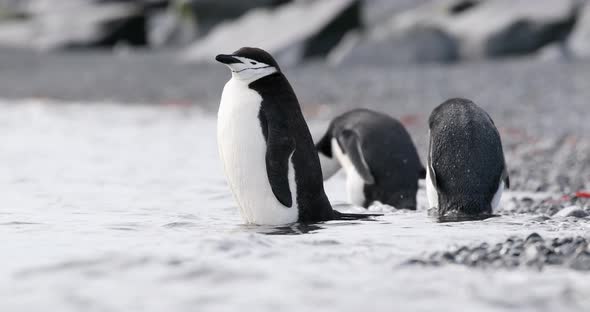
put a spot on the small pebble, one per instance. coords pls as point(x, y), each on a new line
point(534, 252)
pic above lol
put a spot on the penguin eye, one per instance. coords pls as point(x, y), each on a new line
point(253, 63)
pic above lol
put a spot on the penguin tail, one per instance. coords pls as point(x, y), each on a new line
point(354, 216)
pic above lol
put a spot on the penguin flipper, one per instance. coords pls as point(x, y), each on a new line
point(350, 143)
point(278, 153)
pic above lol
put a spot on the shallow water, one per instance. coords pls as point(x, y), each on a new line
point(124, 208)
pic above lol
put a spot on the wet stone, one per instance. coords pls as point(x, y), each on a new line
point(533, 252)
point(533, 238)
point(566, 205)
point(571, 211)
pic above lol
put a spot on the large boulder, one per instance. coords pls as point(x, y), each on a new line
point(377, 10)
point(497, 28)
point(424, 44)
point(179, 22)
point(210, 13)
point(77, 23)
point(291, 32)
point(449, 30)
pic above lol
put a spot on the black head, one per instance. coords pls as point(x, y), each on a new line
point(249, 64)
point(257, 55)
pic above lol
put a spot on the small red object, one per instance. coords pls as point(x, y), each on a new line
point(409, 120)
point(582, 194)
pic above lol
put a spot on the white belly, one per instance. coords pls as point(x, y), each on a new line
point(242, 149)
point(355, 185)
point(431, 192)
point(497, 196)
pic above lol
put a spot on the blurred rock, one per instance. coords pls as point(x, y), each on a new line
point(292, 32)
point(378, 10)
point(10, 9)
point(579, 42)
point(173, 26)
point(533, 252)
point(78, 23)
point(581, 260)
point(571, 211)
point(422, 44)
point(555, 52)
point(463, 29)
point(511, 27)
point(209, 13)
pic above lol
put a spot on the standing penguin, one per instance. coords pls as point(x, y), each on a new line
point(466, 169)
point(378, 155)
point(267, 151)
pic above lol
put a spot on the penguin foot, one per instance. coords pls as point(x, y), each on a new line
point(354, 216)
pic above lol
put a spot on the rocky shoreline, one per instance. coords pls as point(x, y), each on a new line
point(533, 252)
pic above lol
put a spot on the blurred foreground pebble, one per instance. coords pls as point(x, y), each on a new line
point(533, 251)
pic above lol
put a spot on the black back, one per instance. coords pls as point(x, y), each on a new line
point(465, 158)
point(286, 132)
point(389, 154)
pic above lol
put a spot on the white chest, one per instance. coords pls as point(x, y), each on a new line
point(431, 192)
point(355, 185)
point(242, 149)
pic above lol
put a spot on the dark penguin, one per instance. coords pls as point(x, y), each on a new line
point(466, 168)
point(267, 151)
point(378, 155)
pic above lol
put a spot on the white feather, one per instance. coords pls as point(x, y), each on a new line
point(355, 185)
point(431, 191)
point(497, 196)
point(242, 149)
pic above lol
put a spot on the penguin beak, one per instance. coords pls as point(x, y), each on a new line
point(226, 59)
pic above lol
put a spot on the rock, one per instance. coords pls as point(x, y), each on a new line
point(292, 32)
point(10, 9)
point(581, 262)
point(424, 44)
point(209, 13)
point(579, 41)
point(175, 25)
point(534, 252)
point(451, 30)
point(376, 10)
point(533, 239)
point(555, 52)
point(78, 23)
point(571, 211)
point(510, 27)
point(541, 218)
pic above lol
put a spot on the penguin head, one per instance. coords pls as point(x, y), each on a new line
point(249, 64)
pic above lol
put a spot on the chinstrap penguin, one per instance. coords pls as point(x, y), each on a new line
point(265, 145)
point(378, 156)
point(466, 172)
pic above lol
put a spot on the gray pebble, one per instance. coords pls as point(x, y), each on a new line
point(533, 251)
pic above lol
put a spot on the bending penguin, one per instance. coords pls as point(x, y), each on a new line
point(267, 151)
point(466, 168)
point(378, 156)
